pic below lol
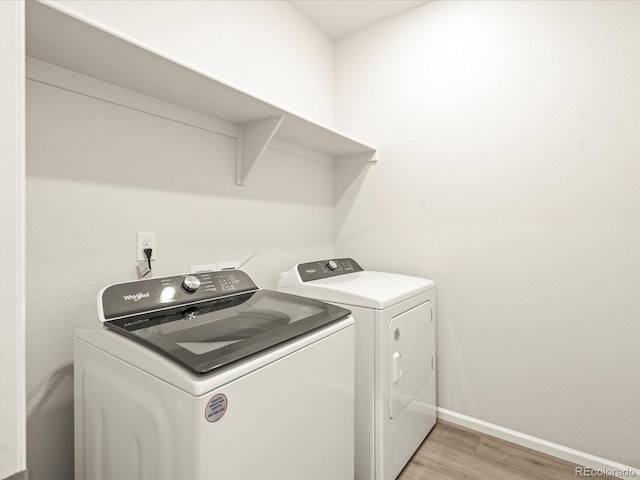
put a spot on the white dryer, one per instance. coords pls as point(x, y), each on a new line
point(395, 356)
point(207, 376)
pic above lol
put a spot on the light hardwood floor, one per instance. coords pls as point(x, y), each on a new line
point(451, 452)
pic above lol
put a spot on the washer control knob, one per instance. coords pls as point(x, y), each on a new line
point(191, 283)
point(332, 265)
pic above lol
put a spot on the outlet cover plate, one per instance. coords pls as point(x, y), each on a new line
point(146, 240)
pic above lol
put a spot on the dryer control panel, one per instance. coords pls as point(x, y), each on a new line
point(327, 268)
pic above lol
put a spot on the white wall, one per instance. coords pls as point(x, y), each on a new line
point(265, 47)
point(97, 173)
point(510, 144)
point(12, 360)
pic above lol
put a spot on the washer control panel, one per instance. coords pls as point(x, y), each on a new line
point(327, 268)
point(131, 298)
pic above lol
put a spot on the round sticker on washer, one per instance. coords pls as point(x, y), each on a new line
point(216, 408)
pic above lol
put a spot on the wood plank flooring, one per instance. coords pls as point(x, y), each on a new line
point(451, 452)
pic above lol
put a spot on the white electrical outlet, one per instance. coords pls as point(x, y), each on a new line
point(146, 240)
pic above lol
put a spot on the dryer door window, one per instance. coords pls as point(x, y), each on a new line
point(410, 351)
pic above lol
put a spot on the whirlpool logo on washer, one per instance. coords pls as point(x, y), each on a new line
point(136, 296)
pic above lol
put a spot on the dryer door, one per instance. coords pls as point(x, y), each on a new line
point(411, 351)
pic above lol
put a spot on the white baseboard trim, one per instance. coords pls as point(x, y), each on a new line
point(590, 461)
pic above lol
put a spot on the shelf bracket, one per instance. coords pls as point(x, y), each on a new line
point(255, 138)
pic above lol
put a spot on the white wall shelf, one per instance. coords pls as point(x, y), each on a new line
point(77, 44)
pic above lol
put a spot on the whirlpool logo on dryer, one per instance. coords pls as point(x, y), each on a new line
point(136, 296)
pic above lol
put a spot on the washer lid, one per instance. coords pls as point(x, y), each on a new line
point(210, 335)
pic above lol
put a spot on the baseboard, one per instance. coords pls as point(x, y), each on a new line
point(590, 461)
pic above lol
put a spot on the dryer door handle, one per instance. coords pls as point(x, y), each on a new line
point(396, 369)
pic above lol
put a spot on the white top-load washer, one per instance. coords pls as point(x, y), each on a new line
point(207, 376)
point(395, 356)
